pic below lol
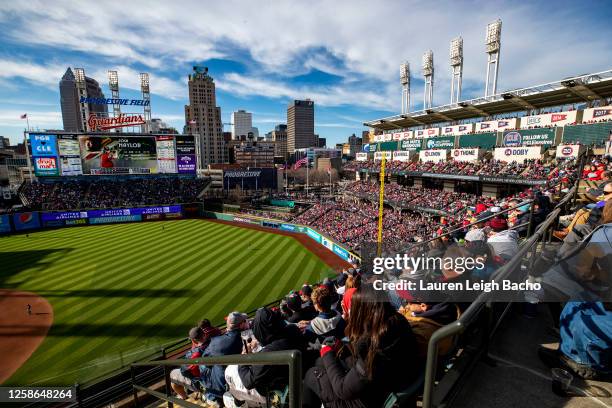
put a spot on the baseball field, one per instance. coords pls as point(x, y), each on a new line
point(119, 292)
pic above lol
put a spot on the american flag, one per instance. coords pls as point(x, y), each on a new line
point(300, 162)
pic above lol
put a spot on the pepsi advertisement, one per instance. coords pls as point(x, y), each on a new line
point(26, 221)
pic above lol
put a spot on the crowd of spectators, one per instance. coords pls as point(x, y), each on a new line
point(83, 194)
point(530, 169)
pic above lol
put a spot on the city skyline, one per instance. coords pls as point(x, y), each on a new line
point(352, 75)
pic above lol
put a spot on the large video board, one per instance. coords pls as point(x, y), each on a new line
point(118, 155)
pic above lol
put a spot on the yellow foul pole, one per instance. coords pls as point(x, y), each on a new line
point(381, 200)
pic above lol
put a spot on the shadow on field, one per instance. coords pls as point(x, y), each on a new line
point(114, 293)
point(13, 263)
point(97, 330)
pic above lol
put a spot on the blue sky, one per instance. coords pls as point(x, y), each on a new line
point(344, 55)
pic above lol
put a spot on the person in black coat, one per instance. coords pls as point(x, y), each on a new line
point(381, 357)
point(272, 334)
point(299, 311)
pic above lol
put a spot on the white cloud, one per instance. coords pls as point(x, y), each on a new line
point(45, 119)
point(540, 43)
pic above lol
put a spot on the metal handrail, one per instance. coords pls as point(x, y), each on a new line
point(292, 358)
point(473, 311)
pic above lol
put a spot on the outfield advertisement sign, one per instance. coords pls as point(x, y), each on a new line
point(102, 155)
point(53, 219)
point(424, 133)
point(379, 155)
point(404, 155)
point(495, 125)
point(341, 252)
point(529, 137)
point(446, 142)
point(466, 154)
point(411, 144)
point(361, 156)
point(569, 151)
point(458, 129)
point(597, 114)
point(433, 155)
point(5, 224)
point(26, 221)
point(518, 154)
point(313, 234)
point(549, 119)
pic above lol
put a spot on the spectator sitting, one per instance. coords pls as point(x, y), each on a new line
point(328, 322)
point(305, 293)
point(299, 313)
point(251, 383)
point(188, 376)
point(382, 357)
point(213, 377)
point(426, 318)
point(584, 348)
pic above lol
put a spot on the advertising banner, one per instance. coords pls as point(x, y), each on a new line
point(529, 137)
point(433, 155)
point(44, 154)
point(397, 136)
point(518, 154)
point(569, 151)
point(70, 155)
point(5, 224)
point(166, 154)
point(495, 125)
point(458, 129)
point(411, 144)
point(406, 135)
point(597, 114)
point(26, 221)
point(118, 154)
point(361, 156)
point(341, 252)
point(445, 142)
point(423, 133)
point(379, 155)
point(404, 155)
point(185, 155)
point(388, 137)
point(313, 234)
point(466, 154)
point(549, 119)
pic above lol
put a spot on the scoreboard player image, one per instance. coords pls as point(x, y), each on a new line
point(118, 155)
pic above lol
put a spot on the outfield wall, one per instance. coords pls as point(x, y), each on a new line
point(328, 243)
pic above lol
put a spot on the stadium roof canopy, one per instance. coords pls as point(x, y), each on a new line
point(580, 89)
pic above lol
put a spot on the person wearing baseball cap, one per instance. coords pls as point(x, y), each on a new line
point(183, 378)
point(213, 377)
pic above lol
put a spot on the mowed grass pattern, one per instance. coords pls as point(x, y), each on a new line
point(119, 292)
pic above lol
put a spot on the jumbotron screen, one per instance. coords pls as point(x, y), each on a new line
point(118, 155)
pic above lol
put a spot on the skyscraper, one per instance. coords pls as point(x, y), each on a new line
point(75, 113)
point(203, 118)
point(300, 125)
point(279, 137)
point(242, 123)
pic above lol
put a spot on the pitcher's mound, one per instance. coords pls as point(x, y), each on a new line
point(21, 332)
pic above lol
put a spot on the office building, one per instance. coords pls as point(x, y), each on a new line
point(203, 118)
point(74, 113)
point(279, 137)
point(241, 123)
point(300, 125)
point(254, 154)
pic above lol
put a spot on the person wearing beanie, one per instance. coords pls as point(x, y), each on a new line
point(299, 313)
point(306, 292)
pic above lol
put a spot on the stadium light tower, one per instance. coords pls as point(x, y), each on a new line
point(456, 62)
point(405, 81)
point(113, 84)
point(493, 44)
point(79, 76)
point(428, 73)
point(146, 96)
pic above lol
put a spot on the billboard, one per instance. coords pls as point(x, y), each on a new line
point(166, 154)
point(433, 155)
point(379, 155)
point(26, 221)
point(118, 154)
point(495, 125)
point(569, 151)
point(5, 224)
point(70, 155)
point(466, 154)
point(185, 155)
point(361, 156)
point(445, 142)
point(597, 114)
point(458, 129)
point(518, 154)
point(411, 144)
point(44, 154)
point(423, 133)
point(404, 155)
point(549, 119)
point(529, 137)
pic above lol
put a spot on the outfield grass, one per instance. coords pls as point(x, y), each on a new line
point(121, 291)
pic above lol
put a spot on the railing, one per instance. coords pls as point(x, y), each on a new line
point(473, 312)
point(291, 358)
